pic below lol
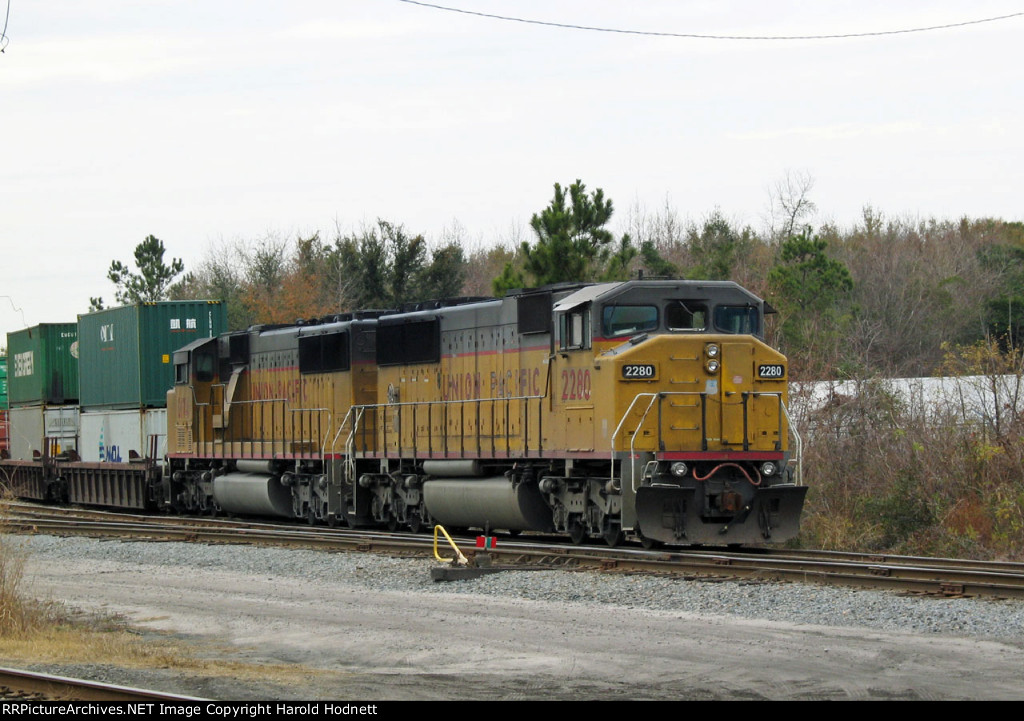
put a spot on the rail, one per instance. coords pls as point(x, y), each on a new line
point(48, 688)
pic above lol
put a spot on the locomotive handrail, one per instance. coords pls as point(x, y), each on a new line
point(341, 426)
point(663, 394)
point(254, 401)
point(461, 403)
point(350, 443)
point(799, 442)
point(638, 396)
point(323, 435)
point(454, 400)
point(358, 411)
point(197, 405)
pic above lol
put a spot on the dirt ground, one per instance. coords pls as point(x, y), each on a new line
point(341, 643)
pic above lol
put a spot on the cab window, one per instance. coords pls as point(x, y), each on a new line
point(740, 319)
point(203, 364)
point(574, 329)
point(617, 320)
point(686, 316)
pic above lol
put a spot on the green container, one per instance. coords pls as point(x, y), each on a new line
point(126, 354)
point(4, 403)
point(42, 365)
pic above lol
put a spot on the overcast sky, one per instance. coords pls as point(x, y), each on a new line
point(209, 122)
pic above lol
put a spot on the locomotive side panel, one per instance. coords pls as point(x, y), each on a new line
point(661, 414)
point(477, 395)
point(262, 419)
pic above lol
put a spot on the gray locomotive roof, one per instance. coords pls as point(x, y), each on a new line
point(722, 291)
point(584, 295)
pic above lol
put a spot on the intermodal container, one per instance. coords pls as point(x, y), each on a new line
point(4, 403)
point(126, 354)
point(42, 430)
point(42, 365)
point(121, 436)
point(5, 434)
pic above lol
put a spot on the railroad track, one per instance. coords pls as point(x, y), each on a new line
point(933, 576)
point(31, 687)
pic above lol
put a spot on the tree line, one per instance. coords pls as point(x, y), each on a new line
point(887, 296)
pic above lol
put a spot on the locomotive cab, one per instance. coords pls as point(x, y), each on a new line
point(652, 408)
point(195, 372)
point(672, 382)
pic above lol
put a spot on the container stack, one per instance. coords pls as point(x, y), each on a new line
point(126, 363)
point(4, 406)
point(42, 390)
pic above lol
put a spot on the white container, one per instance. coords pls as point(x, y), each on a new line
point(120, 436)
point(30, 425)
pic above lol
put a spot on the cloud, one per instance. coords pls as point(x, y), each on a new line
point(841, 131)
point(105, 59)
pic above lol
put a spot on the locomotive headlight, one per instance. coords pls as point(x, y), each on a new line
point(712, 366)
point(769, 469)
point(711, 350)
point(679, 469)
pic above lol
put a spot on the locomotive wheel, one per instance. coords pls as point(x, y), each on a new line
point(392, 522)
point(577, 532)
point(415, 523)
point(310, 516)
point(646, 542)
point(612, 533)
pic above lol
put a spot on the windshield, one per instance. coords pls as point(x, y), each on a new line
point(738, 319)
point(619, 320)
point(683, 316)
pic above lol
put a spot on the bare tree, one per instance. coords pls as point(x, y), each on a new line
point(790, 205)
point(662, 236)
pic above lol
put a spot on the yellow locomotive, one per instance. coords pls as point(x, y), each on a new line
point(646, 408)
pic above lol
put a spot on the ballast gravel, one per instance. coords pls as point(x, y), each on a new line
point(380, 628)
point(776, 601)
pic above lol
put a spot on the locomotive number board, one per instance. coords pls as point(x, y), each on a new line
point(640, 372)
point(771, 370)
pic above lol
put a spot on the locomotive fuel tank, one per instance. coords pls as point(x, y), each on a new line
point(254, 490)
point(490, 503)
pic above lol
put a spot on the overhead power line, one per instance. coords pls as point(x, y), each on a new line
point(3, 33)
point(701, 36)
point(16, 308)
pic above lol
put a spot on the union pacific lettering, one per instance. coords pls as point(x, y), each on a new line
point(510, 384)
point(277, 386)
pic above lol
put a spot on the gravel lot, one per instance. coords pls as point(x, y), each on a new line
point(378, 628)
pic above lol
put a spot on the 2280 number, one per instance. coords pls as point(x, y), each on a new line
point(639, 371)
point(771, 370)
point(576, 384)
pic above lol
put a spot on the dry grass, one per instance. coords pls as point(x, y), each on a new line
point(44, 631)
point(894, 477)
point(108, 642)
point(48, 633)
point(17, 616)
